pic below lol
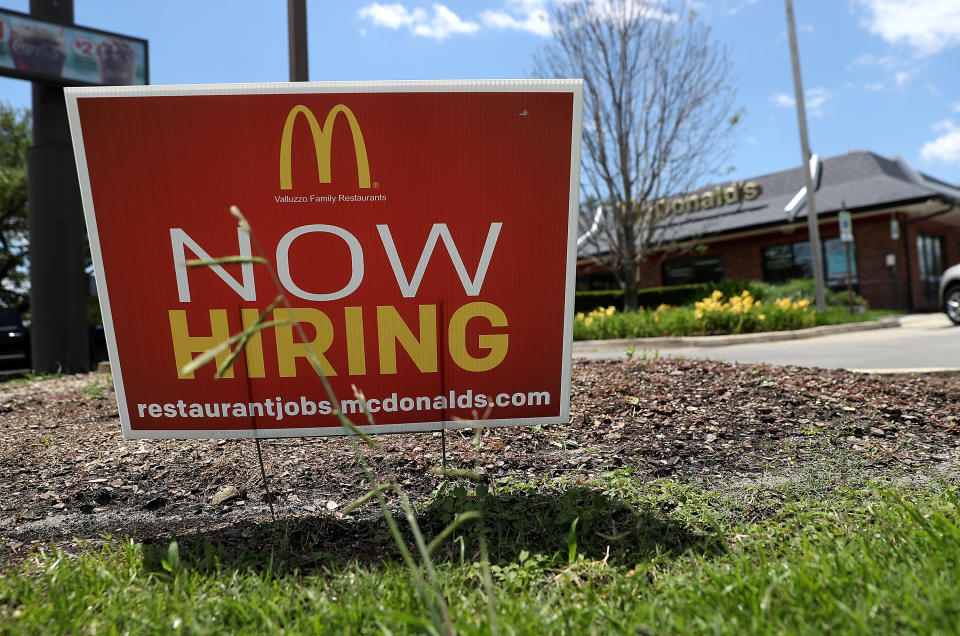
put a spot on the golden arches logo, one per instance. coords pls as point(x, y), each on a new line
point(322, 138)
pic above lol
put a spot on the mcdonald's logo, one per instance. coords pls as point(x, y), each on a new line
point(322, 138)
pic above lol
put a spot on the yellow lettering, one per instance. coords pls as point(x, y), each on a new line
point(253, 352)
point(356, 354)
point(391, 330)
point(288, 351)
point(185, 345)
point(731, 194)
point(496, 344)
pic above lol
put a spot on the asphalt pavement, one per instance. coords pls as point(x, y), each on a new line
point(917, 343)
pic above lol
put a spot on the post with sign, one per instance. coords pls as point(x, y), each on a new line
point(846, 235)
point(424, 234)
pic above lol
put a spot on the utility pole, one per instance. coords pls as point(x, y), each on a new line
point(813, 227)
point(297, 39)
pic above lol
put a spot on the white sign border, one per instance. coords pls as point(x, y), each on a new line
point(573, 86)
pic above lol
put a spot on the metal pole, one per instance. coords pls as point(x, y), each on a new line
point(443, 446)
point(812, 223)
point(297, 39)
point(58, 284)
point(266, 486)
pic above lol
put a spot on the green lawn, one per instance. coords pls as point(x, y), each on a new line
point(615, 555)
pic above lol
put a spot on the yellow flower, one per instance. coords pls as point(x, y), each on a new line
point(762, 317)
point(579, 315)
point(610, 310)
point(717, 294)
point(588, 321)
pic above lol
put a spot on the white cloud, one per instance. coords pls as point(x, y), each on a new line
point(734, 10)
point(782, 99)
point(441, 25)
point(887, 62)
point(901, 78)
point(928, 26)
point(955, 106)
point(814, 99)
point(391, 16)
point(946, 147)
point(524, 15)
point(874, 86)
point(445, 23)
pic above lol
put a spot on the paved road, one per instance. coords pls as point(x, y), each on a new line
point(922, 343)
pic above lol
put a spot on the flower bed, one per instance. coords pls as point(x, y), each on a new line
point(715, 314)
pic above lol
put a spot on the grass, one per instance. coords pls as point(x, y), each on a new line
point(840, 315)
point(613, 555)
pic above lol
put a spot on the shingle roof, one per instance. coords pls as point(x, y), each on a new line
point(862, 180)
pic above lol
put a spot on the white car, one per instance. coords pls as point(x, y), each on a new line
point(950, 293)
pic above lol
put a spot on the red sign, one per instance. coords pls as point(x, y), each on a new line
point(424, 235)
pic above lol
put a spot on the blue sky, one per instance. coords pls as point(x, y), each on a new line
point(879, 75)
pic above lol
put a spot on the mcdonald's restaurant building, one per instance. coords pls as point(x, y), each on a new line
point(905, 227)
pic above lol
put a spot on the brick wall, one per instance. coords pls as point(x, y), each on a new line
point(883, 286)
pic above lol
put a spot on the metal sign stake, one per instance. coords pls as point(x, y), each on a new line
point(266, 485)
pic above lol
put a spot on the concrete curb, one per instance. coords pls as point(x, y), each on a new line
point(683, 342)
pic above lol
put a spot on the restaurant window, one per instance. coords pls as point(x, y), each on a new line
point(794, 260)
point(597, 281)
point(930, 260)
point(786, 262)
point(704, 269)
point(835, 262)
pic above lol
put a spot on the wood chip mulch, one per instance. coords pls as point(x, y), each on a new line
point(66, 472)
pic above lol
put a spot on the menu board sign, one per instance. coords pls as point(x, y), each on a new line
point(37, 50)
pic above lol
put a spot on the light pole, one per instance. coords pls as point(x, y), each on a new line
point(813, 227)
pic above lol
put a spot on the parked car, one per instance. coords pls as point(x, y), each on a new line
point(14, 343)
point(950, 293)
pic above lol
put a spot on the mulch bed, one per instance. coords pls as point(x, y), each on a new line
point(66, 472)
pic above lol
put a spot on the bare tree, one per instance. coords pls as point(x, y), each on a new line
point(658, 110)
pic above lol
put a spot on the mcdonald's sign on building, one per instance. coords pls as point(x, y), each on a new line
point(423, 235)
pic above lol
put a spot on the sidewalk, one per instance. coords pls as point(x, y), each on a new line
point(618, 346)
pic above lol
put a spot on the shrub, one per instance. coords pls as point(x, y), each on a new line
point(683, 295)
point(676, 295)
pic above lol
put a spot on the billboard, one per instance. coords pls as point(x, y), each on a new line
point(424, 234)
point(38, 50)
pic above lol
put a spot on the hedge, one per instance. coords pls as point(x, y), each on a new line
point(681, 295)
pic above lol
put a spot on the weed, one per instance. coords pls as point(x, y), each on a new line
point(44, 441)
point(227, 352)
point(96, 390)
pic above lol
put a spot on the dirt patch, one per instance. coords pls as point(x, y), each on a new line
point(66, 473)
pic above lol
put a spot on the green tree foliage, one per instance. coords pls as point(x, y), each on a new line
point(15, 127)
